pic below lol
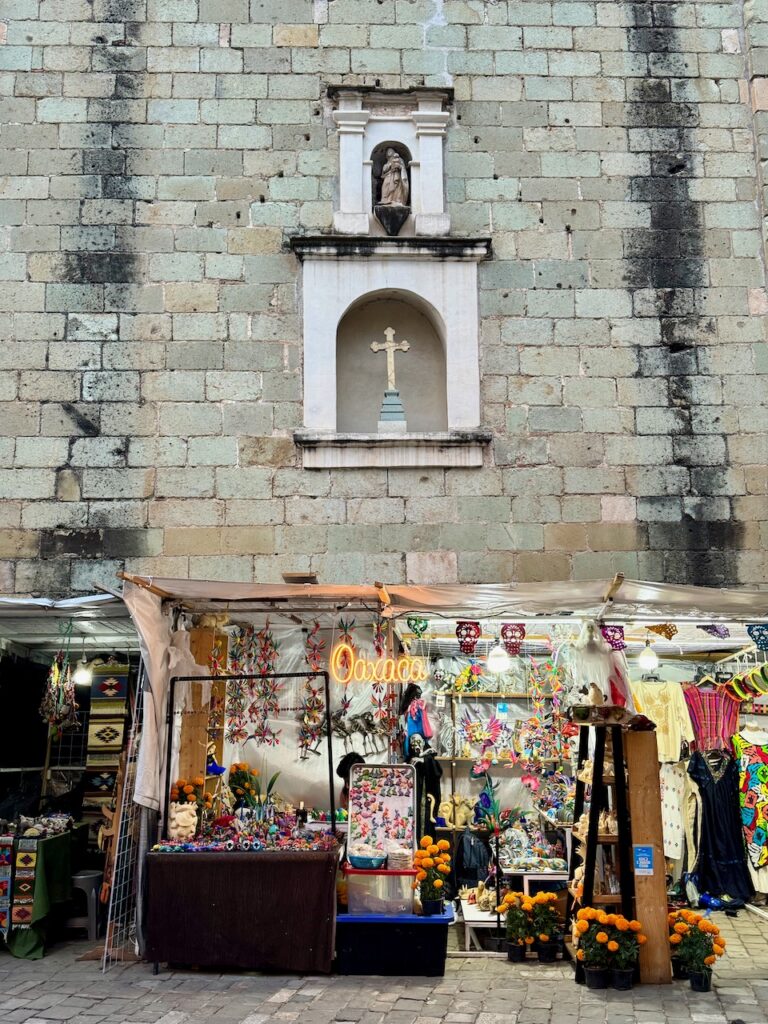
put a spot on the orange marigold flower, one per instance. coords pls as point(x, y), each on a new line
point(443, 844)
point(635, 926)
point(582, 915)
point(601, 937)
point(582, 927)
point(613, 946)
point(199, 781)
point(427, 862)
point(579, 954)
point(675, 939)
point(188, 789)
point(602, 917)
point(433, 850)
point(543, 937)
point(529, 940)
point(642, 939)
point(681, 928)
point(191, 797)
point(426, 841)
point(443, 869)
point(622, 924)
point(438, 883)
point(421, 875)
point(709, 960)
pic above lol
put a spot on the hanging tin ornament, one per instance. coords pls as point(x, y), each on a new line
point(666, 629)
point(467, 633)
point(758, 633)
point(417, 626)
point(715, 629)
point(512, 635)
point(379, 627)
point(614, 635)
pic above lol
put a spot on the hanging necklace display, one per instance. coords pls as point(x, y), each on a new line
point(58, 707)
point(312, 706)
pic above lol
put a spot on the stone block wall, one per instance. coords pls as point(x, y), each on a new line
point(155, 156)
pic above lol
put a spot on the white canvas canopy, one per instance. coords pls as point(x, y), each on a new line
point(153, 600)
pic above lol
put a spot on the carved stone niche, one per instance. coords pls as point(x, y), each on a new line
point(412, 125)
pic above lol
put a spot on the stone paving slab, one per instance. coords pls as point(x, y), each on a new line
point(474, 991)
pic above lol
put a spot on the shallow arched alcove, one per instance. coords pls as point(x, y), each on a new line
point(361, 374)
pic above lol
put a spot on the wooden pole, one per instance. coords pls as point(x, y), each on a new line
point(651, 889)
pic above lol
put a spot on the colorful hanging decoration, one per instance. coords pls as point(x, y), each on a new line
point(666, 629)
point(512, 635)
point(417, 626)
point(469, 679)
point(345, 629)
point(265, 691)
point(236, 703)
point(614, 636)
point(467, 633)
point(312, 708)
point(380, 627)
point(58, 707)
point(715, 629)
point(758, 634)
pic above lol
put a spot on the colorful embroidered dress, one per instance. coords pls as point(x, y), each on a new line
point(753, 797)
point(715, 717)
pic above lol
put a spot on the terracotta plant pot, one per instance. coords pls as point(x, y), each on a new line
point(515, 953)
point(597, 977)
point(701, 981)
point(430, 908)
point(622, 980)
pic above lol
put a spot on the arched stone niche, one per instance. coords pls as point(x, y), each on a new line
point(426, 290)
point(361, 374)
point(414, 122)
point(377, 161)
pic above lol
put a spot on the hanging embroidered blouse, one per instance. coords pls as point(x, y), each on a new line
point(664, 704)
point(715, 717)
point(753, 797)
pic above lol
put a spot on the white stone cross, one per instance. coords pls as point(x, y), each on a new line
point(390, 346)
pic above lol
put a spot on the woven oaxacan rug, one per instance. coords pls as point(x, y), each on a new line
point(6, 865)
point(106, 734)
point(24, 883)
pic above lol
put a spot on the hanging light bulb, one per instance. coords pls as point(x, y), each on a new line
point(498, 661)
point(648, 659)
point(82, 675)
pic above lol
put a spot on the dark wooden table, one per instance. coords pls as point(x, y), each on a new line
point(269, 911)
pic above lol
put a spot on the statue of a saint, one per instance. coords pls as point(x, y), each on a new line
point(394, 181)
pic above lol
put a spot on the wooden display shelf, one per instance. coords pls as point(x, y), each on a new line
point(608, 898)
point(500, 760)
point(488, 693)
point(604, 837)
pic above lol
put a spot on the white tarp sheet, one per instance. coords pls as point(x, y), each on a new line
point(151, 615)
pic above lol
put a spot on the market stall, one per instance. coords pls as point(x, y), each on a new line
point(477, 690)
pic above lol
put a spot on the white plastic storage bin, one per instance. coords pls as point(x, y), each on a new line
point(379, 892)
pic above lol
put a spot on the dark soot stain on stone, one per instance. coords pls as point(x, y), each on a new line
point(667, 258)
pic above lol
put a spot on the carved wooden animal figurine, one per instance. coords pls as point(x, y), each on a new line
point(182, 821)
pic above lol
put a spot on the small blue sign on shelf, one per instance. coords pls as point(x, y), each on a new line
point(643, 860)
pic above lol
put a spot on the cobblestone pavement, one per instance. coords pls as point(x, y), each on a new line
point(474, 991)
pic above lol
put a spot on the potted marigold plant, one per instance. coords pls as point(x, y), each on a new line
point(545, 923)
point(517, 909)
point(608, 947)
point(433, 864)
point(592, 947)
point(625, 937)
point(696, 944)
